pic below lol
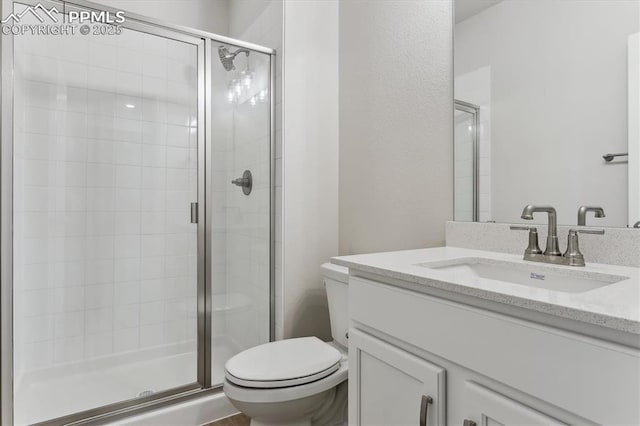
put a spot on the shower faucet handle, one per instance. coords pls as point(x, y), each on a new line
point(245, 182)
point(240, 181)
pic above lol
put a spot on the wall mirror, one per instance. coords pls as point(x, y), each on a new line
point(546, 109)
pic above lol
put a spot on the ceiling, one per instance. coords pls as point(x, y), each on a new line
point(465, 9)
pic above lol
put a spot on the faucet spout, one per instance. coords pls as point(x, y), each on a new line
point(552, 248)
point(582, 213)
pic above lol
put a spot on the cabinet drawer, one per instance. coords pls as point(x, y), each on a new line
point(389, 386)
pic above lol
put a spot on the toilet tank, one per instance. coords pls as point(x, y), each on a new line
point(336, 279)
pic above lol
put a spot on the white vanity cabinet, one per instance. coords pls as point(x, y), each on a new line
point(393, 387)
point(478, 367)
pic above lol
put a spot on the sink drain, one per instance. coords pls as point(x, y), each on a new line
point(145, 393)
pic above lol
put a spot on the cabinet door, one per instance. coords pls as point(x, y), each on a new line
point(389, 386)
point(487, 408)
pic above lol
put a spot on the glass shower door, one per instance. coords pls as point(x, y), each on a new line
point(241, 226)
point(106, 137)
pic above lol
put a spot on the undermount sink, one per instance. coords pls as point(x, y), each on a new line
point(564, 279)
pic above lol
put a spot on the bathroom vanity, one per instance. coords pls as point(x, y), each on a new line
point(467, 337)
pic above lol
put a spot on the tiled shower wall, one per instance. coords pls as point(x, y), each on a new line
point(105, 169)
point(247, 219)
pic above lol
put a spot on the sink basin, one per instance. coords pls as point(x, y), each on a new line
point(564, 279)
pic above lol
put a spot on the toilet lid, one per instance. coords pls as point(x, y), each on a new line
point(283, 363)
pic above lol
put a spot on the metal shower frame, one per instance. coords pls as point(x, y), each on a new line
point(474, 110)
point(204, 41)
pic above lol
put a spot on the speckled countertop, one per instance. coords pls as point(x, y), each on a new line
point(615, 305)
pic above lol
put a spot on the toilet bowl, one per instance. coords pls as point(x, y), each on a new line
point(296, 382)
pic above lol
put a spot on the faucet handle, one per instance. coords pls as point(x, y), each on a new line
point(523, 228)
point(533, 247)
point(573, 253)
point(587, 231)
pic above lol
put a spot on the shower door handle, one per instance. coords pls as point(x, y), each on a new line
point(194, 212)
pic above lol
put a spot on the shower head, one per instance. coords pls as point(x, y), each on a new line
point(227, 57)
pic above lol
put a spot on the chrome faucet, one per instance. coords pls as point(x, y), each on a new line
point(571, 257)
point(552, 248)
point(582, 213)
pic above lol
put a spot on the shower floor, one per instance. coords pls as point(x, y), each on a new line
point(67, 389)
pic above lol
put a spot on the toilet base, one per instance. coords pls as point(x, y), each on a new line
point(328, 408)
point(297, 412)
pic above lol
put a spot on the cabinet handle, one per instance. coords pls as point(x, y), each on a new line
point(469, 423)
point(424, 409)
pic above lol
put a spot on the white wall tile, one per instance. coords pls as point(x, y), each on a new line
point(126, 316)
point(98, 344)
point(98, 296)
point(151, 313)
point(128, 176)
point(126, 340)
point(151, 268)
point(126, 223)
point(151, 335)
point(127, 293)
point(99, 320)
point(68, 349)
point(127, 270)
point(104, 177)
point(127, 246)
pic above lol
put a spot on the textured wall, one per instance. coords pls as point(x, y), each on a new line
point(396, 145)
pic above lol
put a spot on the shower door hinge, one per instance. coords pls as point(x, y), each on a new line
point(194, 212)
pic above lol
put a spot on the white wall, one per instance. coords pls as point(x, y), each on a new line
point(558, 102)
point(396, 120)
point(310, 162)
point(206, 15)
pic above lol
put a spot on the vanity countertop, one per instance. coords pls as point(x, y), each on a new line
point(614, 306)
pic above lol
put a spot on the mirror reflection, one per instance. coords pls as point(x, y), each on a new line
point(546, 110)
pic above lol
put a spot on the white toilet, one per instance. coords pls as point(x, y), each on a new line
point(297, 382)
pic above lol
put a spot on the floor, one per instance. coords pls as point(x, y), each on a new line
point(237, 420)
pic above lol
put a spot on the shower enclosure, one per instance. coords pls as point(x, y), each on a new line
point(132, 266)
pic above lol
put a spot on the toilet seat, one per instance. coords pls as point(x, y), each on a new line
point(272, 384)
point(276, 395)
point(283, 394)
point(284, 363)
